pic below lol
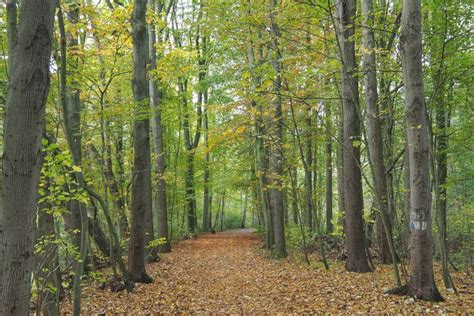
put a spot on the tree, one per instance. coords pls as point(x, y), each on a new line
point(353, 200)
point(255, 58)
point(421, 284)
point(276, 149)
point(206, 209)
point(308, 170)
point(158, 142)
point(141, 177)
point(374, 132)
point(71, 105)
point(329, 168)
point(28, 87)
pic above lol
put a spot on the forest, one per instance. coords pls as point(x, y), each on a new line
point(236, 157)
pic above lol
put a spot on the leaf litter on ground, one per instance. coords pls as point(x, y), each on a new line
point(229, 272)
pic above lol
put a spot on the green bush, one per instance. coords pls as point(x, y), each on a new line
point(294, 236)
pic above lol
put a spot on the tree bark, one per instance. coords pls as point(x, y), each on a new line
point(353, 199)
point(28, 89)
point(421, 284)
point(261, 157)
point(440, 142)
point(276, 151)
point(375, 142)
point(308, 172)
point(190, 192)
point(294, 200)
point(261, 148)
point(141, 181)
point(71, 105)
point(340, 168)
point(158, 143)
point(206, 215)
point(328, 154)
point(192, 143)
point(443, 122)
point(374, 130)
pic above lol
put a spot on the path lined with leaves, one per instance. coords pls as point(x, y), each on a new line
point(229, 273)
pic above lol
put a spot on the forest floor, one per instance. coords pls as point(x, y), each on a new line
point(230, 273)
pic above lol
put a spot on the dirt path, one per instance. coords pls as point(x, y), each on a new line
point(229, 273)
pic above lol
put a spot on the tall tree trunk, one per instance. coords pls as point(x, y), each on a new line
point(206, 198)
point(118, 136)
point(442, 124)
point(374, 130)
point(261, 148)
point(192, 143)
point(11, 20)
point(353, 199)
point(328, 153)
point(421, 284)
point(222, 211)
point(206, 216)
point(158, 143)
point(190, 192)
point(261, 168)
point(308, 172)
point(28, 87)
point(71, 104)
point(440, 160)
point(261, 157)
point(294, 200)
point(141, 176)
point(276, 151)
point(374, 138)
point(340, 168)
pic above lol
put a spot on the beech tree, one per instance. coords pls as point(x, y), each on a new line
point(353, 200)
point(276, 149)
point(141, 179)
point(158, 131)
point(29, 59)
point(374, 133)
point(421, 284)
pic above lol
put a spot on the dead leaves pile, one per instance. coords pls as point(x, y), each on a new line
point(229, 273)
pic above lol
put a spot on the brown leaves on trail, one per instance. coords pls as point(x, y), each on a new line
point(229, 273)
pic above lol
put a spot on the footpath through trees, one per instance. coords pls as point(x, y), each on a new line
point(230, 273)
